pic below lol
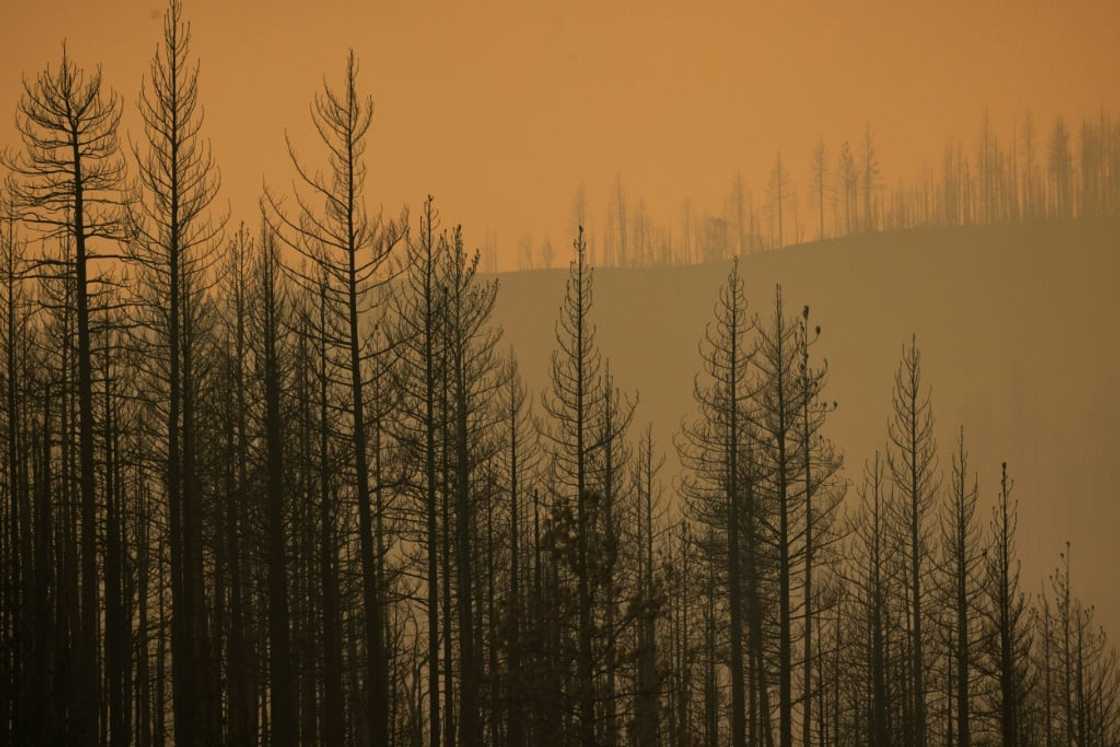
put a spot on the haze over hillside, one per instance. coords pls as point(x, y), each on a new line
point(1017, 329)
point(270, 474)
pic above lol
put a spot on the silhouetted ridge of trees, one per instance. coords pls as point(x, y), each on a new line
point(282, 483)
point(1031, 173)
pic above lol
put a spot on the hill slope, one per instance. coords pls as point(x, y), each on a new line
point(1017, 328)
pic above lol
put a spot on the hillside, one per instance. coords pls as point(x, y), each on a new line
point(1017, 328)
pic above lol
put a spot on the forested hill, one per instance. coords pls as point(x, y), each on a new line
point(1017, 327)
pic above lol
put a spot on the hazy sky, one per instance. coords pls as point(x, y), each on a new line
point(501, 108)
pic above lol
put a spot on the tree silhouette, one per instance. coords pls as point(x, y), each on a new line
point(912, 459)
point(66, 184)
point(354, 251)
point(282, 487)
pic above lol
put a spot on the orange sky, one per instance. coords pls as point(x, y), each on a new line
point(501, 108)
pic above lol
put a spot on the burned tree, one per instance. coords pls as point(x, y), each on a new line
point(354, 251)
point(67, 185)
point(173, 239)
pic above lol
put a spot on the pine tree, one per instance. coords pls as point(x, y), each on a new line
point(710, 449)
point(912, 461)
point(67, 185)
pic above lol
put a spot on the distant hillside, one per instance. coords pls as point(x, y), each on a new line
point(1018, 330)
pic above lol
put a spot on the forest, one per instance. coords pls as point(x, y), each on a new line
point(280, 481)
point(1032, 176)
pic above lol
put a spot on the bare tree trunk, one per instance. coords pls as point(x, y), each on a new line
point(283, 694)
point(333, 722)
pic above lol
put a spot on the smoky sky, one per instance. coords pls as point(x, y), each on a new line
point(503, 109)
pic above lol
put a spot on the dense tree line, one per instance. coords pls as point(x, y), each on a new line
point(281, 483)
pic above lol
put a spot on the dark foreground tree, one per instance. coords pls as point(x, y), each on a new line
point(711, 449)
point(67, 186)
point(173, 242)
point(576, 393)
point(353, 251)
point(912, 458)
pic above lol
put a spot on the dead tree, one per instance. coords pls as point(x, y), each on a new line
point(711, 450)
point(354, 251)
point(173, 240)
point(67, 184)
point(575, 395)
point(962, 555)
point(912, 460)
